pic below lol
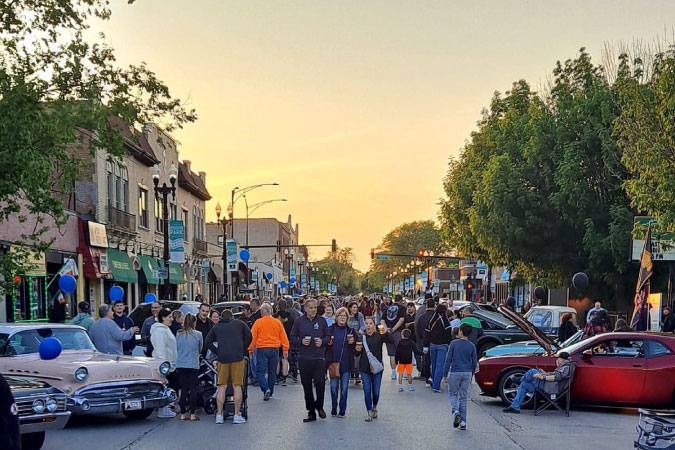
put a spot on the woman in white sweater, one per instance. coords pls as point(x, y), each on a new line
point(164, 348)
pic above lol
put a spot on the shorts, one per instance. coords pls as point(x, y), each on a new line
point(404, 368)
point(231, 373)
point(391, 348)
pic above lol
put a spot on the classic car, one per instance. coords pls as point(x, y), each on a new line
point(40, 406)
point(94, 382)
point(532, 347)
point(548, 317)
point(613, 369)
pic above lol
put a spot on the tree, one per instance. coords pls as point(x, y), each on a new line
point(53, 86)
point(339, 265)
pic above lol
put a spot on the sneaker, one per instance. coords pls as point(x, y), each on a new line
point(510, 410)
point(438, 391)
point(238, 419)
point(427, 385)
point(462, 425)
point(341, 416)
point(400, 388)
point(283, 381)
point(267, 395)
point(219, 418)
point(333, 413)
point(369, 417)
point(374, 413)
point(457, 419)
point(393, 374)
point(165, 413)
point(411, 388)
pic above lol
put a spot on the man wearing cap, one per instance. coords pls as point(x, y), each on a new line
point(534, 378)
point(668, 320)
point(83, 319)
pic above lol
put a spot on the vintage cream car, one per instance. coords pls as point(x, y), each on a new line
point(95, 383)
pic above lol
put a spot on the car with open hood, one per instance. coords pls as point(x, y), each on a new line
point(532, 347)
point(94, 382)
point(612, 369)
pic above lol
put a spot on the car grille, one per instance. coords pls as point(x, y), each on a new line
point(121, 392)
point(26, 405)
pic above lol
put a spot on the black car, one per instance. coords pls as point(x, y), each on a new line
point(497, 330)
point(236, 307)
point(40, 407)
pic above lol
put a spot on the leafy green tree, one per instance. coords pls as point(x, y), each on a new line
point(340, 267)
point(54, 86)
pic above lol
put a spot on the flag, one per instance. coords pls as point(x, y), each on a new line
point(69, 267)
point(640, 313)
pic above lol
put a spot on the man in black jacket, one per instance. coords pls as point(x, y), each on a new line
point(204, 324)
point(422, 322)
point(229, 340)
point(10, 437)
point(668, 320)
point(310, 334)
point(124, 322)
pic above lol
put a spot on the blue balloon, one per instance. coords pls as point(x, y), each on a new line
point(50, 348)
point(282, 284)
point(150, 298)
point(116, 293)
point(67, 283)
point(269, 276)
point(302, 283)
point(245, 255)
point(299, 291)
point(292, 280)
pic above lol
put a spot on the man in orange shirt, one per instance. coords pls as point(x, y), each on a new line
point(268, 335)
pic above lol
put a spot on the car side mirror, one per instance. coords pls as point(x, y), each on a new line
point(587, 354)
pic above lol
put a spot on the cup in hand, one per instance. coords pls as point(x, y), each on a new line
point(381, 328)
point(317, 342)
point(306, 340)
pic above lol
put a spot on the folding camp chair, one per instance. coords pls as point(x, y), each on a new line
point(551, 393)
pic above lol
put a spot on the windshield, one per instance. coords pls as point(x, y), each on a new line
point(574, 347)
point(540, 318)
point(28, 341)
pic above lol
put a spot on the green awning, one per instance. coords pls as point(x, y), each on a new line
point(121, 267)
point(175, 273)
point(148, 263)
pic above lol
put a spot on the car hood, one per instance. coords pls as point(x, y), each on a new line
point(535, 333)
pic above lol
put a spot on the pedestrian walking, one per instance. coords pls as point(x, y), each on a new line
point(214, 317)
point(393, 320)
point(370, 346)
point(228, 340)
point(421, 322)
point(106, 335)
point(189, 343)
point(438, 336)
point(164, 348)
point(477, 330)
point(404, 358)
point(328, 314)
point(147, 324)
point(310, 333)
point(340, 358)
point(460, 365)
point(125, 323)
point(268, 335)
point(288, 365)
point(83, 318)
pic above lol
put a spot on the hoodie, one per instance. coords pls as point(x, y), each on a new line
point(83, 319)
point(164, 344)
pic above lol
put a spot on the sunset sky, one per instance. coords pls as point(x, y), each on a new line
point(353, 107)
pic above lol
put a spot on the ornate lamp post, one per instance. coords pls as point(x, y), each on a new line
point(164, 192)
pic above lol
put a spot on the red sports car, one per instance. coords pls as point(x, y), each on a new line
point(631, 368)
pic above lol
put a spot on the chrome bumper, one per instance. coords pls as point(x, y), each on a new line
point(79, 404)
point(41, 422)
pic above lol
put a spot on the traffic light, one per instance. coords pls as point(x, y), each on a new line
point(469, 285)
point(420, 253)
point(372, 253)
point(334, 246)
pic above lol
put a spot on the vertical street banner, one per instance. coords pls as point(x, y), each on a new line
point(231, 254)
point(292, 273)
point(311, 282)
point(424, 280)
point(176, 244)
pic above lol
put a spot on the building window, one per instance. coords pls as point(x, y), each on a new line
point(110, 182)
point(118, 186)
point(143, 207)
point(159, 222)
point(174, 211)
point(198, 221)
point(124, 197)
point(185, 223)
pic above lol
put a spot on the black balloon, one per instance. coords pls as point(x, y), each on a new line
point(580, 281)
point(511, 302)
point(539, 292)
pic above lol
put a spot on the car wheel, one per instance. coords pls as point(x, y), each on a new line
point(485, 347)
point(508, 386)
point(32, 441)
point(138, 415)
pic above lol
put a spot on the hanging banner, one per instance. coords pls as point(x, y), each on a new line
point(231, 253)
point(176, 243)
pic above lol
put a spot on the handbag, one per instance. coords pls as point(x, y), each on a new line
point(375, 364)
point(334, 367)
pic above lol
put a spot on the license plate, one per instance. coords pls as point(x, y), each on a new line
point(130, 405)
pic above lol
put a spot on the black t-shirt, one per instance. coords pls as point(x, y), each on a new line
point(393, 314)
point(9, 419)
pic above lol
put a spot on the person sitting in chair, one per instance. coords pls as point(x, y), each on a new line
point(534, 378)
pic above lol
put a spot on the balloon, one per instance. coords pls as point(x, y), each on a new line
point(580, 281)
point(302, 283)
point(282, 284)
point(50, 348)
point(511, 302)
point(150, 298)
point(116, 293)
point(292, 280)
point(299, 291)
point(245, 255)
point(67, 283)
point(539, 292)
point(269, 276)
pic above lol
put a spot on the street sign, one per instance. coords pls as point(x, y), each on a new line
point(206, 265)
point(161, 273)
point(437, 282)
point(231, 249)
point(663, 244)
point(383, 257)
point(176, 244)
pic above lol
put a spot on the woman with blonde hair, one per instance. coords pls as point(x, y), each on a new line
point(189, 344)
point(339, 359)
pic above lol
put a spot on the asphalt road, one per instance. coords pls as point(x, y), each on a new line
point(407, 420)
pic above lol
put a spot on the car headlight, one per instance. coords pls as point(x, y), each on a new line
point(38, 406)
point(164, 368)
point(51, 404)
point(81, 374)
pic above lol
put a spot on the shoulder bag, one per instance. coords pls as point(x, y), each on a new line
point(375, 364)
point(334, 367)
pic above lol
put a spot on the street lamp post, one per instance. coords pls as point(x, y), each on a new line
point(164, 192)
point(242, 192)
point(250, 209)
point(289, 260)
point(224, 225)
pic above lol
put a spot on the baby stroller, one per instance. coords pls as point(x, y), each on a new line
point(208, 387)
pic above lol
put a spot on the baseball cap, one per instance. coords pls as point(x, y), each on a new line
point(83, 306)
point(564, 355)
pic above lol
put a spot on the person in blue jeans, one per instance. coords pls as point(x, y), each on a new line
point(533, 378)
point(340, 350)
point(437, 336)
point(460, 365)
point(371, 381)
point(267, 336)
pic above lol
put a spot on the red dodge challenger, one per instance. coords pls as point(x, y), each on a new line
point(621, 369)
